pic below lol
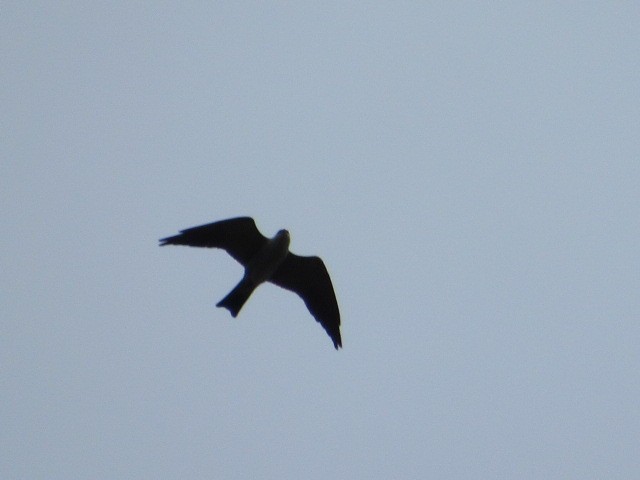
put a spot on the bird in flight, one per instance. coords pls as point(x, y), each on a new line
point(267, 260)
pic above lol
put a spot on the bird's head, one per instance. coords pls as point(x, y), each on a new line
point(282, 238)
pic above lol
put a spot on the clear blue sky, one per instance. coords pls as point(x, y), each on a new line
point(469, 172)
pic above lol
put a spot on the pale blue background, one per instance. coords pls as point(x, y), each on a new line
point(468, 171)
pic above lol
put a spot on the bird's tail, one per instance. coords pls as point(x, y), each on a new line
point(238, 296)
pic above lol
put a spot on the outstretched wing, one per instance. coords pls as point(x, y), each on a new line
point(309, 278)
point(238, 236)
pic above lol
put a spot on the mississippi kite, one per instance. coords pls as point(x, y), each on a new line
point(267, 260)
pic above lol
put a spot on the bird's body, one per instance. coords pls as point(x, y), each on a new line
point(268, 260)
point(260, 268)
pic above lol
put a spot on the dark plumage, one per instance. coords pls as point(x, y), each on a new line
point(269, 260)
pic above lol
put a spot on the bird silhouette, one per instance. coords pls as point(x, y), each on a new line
point(267, 260)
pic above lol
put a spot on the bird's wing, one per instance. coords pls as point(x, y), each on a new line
point(309, 278)
point(238, 236)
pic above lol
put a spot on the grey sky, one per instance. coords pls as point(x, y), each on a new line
point(469, 174)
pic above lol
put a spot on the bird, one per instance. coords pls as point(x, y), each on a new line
point(267, 260)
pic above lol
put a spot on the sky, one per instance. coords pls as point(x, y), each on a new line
point(468, 171)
